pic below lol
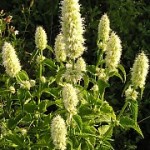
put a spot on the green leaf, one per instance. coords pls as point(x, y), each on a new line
point(49, 48)
point(50, 63)
point(121, 68)
point(30, 107)
point(22, 76)
point(137, 128)
point(55, 92)
point(89, 129)
point(78, 121)
point(91, 69)
point(84, 110)
point(16, 140)
point(102, 85)
point(134, 108)
point(107, 109)
point(127, 122)
point(103, 129)
point(59, 75)
point(86, 81)
point(90, 144)
point(12, 122)
point(70, 144)
point(43, 105)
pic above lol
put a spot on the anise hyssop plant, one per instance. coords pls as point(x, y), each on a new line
point(62, 102)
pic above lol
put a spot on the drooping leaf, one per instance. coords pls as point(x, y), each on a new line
point(121, 68)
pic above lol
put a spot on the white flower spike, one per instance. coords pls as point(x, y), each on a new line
point(72, 28)
point(59, 132)
point(10, 60)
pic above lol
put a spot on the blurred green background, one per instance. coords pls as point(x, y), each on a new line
point(129, 18)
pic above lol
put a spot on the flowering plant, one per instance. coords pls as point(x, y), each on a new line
point(63, 103)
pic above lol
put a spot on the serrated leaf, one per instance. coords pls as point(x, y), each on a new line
point(127, 122)
point(137, 128)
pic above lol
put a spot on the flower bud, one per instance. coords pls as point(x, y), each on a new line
point(12, 89)
point(10, 60)
point(40, 38)
point(95, 88)
point(130, 93)
point(101, 74)
point(40, 59)
point(59, 132)
point(43, 79)
point(32, 83)
point(26, 85)
point(140, 70)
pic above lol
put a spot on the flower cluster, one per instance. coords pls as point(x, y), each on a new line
point(59, 132)
point(140, 70)
point(103, 32)
point(74, 73)
point(101, 74)
point(70, 98)
point(59, 48)
point(131, 94)
point(10, 60)
point(113, 52)
point(72, 28)
point(40, 38)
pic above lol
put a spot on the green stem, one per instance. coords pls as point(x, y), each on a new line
point(40, 75)
point(122, 110)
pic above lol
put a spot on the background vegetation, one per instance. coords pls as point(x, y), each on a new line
point(129, 18)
